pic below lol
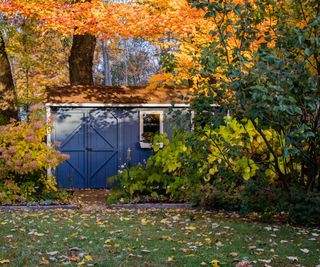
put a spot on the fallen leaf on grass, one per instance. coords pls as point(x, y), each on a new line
point(265, 261)
point(52, 253)
point(208, 241)
point(74, 249)
point(305, 250)
point(88, 258)
point(4, 261)
point(74, 259)
point(215, 225)
point(44, 261)
point(233, 254)
point(144, 221)
point(170, 259)
point(244, 263)
point(292, 258)
point(215, 263)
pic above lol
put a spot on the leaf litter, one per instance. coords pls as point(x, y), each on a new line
point(157, 238)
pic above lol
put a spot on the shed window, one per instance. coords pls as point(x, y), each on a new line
point(151, 123)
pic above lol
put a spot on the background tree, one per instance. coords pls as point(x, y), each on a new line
point(8, 99)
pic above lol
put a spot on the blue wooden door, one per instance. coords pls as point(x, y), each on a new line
point(103, 136)
point(91, 138)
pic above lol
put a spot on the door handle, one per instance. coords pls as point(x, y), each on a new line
point(88, 148)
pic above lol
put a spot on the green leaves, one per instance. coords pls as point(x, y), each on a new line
point(246, 167)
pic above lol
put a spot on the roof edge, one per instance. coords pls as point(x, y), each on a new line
point(177, 105)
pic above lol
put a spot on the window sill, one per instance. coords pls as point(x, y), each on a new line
point(148, 145)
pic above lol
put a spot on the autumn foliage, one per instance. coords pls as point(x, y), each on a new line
point(259, 60)
point(25, 158)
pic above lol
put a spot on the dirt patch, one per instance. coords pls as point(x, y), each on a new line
point(95, 199)
point(90, 197)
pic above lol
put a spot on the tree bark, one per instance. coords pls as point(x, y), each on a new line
point(81, 59)
point(125, 71)
point(8, 98)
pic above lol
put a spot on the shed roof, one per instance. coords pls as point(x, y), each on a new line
point(116, 95)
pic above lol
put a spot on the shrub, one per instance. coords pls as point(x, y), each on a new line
point(139, 181)
point(303, 206)
point(228, 166)
point(25, 158)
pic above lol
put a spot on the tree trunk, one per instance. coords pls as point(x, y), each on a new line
point(125, 82)
point(81, 59)
point(8, 98)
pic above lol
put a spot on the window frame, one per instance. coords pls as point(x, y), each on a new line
point(143, 112)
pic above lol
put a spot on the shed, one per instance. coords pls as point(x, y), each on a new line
point(102, 128)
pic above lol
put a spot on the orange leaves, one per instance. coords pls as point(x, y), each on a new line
point(159, 80)
point(147, 19)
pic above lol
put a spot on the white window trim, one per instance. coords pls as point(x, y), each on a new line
point(142, 112)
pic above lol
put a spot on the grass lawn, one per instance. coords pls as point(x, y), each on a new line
point(150, 238)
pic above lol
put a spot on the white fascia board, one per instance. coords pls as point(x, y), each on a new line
point(94, 105)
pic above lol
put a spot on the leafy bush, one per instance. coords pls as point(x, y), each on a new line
point(25, 158)
point(303, 206)
point(228, 166)
point(139, 181)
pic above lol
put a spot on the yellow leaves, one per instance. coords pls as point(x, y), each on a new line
point(170, 259)
point(192, 228)
point(208, 241)
point(246, 167)
point(4, 261)
point(86, 225)
point(159, 80)
point(215, 263)
point(144, 221)
point(124, 218)
point(107, 242)
point(213, 170)
point(88, 258)
point(248, 141)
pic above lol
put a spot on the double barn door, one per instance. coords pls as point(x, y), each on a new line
point(91, 138)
